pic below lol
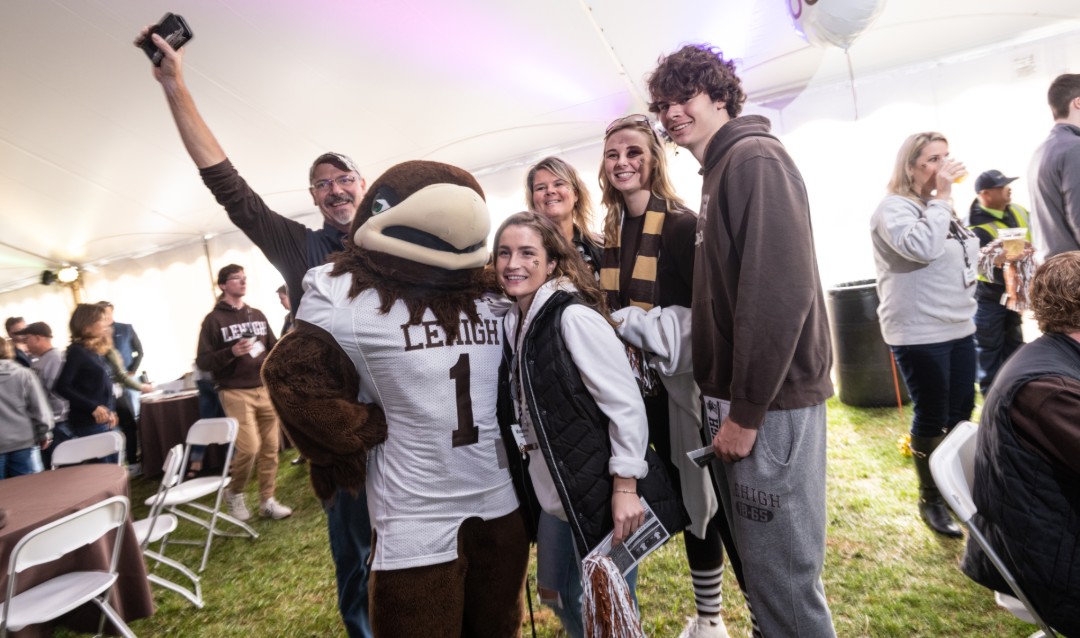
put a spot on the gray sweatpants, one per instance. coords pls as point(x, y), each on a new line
point(774, 500)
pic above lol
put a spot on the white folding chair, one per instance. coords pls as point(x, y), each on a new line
point(57, 596)
point(953, 467)
point(184, 496)
point(87, 448)
point(157, 527)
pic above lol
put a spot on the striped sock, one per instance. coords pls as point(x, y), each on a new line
point(708, 584)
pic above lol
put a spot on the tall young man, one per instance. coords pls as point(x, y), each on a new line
point(761, 339)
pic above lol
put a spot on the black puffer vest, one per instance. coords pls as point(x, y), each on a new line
point(573, 436)
point(1029, 506)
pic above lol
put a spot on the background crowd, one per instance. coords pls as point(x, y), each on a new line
point(685, 330)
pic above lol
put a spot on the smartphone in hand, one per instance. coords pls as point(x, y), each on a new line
point(175, 31)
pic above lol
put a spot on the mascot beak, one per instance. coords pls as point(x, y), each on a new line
point(441, 225)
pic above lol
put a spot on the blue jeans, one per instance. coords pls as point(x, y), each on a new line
point(558, 569)
point(20, 462)
point(349, 527)
point(941, 381)
point(997, 335)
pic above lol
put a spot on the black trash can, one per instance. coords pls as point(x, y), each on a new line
point(862, 361)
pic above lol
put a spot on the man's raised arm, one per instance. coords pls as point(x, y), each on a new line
point(200, 143)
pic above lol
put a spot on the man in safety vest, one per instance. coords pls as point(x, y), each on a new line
point(997, 329)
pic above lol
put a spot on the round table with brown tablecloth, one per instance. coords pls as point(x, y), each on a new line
point(36, 499)
point(163, 422)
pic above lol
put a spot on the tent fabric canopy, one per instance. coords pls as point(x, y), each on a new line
point(92, 170)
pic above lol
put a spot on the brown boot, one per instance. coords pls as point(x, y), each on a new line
point(932, 506)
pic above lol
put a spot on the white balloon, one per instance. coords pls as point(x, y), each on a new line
point(835, 22)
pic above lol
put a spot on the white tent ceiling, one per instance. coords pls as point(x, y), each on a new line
point(92, 170)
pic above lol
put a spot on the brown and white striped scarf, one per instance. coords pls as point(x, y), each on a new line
point(641, 289)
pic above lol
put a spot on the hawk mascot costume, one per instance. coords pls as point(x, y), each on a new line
point(389, 382)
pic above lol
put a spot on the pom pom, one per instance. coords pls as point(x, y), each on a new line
point(608, 609)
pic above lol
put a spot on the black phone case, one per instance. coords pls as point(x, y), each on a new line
point(176, 32)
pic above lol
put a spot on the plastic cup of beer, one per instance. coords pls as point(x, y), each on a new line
point(1013, 241)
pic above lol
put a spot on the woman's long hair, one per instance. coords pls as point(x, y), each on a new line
point(659, 183)
point(901, 183)
point(568, 261)
point(82, 320)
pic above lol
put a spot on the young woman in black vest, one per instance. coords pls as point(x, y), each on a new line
point(583, 435)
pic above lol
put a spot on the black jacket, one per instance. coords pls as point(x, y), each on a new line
point(1029, 505)
point(573, 436)
point(85, 382)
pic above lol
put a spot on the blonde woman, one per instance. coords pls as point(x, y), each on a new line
point(925, 260)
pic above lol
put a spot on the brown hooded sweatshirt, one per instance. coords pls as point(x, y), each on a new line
point(760, 333)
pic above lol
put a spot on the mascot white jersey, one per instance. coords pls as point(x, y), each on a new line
point(431, 473)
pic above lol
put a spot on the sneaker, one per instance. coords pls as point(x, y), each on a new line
point(698, 627)
point(299, 460)
point(237, 507)
point(135, 469)
point(270, 508)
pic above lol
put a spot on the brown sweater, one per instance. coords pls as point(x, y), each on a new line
point(760, 333)
point(222, 328)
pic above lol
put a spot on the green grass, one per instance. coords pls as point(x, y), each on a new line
point(885, 573)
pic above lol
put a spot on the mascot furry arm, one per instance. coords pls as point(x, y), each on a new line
point(313, 386)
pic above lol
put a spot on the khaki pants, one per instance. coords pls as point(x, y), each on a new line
point(256, 438)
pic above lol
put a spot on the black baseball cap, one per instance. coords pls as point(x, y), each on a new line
point(992, 179)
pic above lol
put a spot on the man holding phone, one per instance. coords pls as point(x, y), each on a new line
point(336, 187)
point(233, 344)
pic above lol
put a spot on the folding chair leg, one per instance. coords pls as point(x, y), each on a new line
point(211, 527)
point(114, 618)
point(195, 597)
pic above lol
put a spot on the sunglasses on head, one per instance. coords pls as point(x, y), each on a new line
point(636, 119)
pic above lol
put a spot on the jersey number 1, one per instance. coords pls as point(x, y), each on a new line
point(466, 433)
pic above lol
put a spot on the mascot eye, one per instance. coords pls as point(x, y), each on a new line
point(379, 206)
point(383, 199)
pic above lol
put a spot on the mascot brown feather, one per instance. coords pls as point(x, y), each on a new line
point(312, 382)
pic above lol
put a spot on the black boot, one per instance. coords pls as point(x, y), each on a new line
point(932, 507)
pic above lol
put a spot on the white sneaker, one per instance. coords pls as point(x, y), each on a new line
point(698, 627)
point(237, 507)
point(135, 469)
point(270, 508)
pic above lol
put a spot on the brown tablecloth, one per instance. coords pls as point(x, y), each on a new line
point(34, 500)
point(165, 422)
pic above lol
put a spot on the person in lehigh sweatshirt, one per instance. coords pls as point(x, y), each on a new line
point(233, 344)
point(760, 339)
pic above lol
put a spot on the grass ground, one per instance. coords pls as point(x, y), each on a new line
point(885, 573)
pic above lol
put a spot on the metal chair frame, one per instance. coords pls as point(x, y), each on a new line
point(57, 596)
point(157, 527)
point(953, 467)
